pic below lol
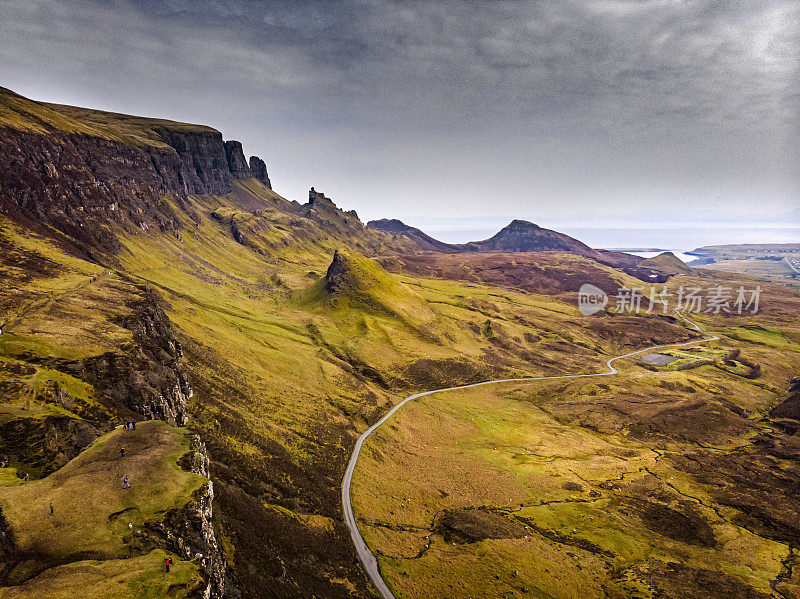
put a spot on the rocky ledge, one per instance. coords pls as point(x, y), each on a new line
point(189, 530)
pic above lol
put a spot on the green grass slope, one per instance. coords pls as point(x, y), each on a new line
point(94, 517)
point(18, 112)
point(142, 577)
point(92, 511)
point(355, 283)
point(288, 371)
point(665, 484)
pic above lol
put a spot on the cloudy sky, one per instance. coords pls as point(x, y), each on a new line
point(437, 112)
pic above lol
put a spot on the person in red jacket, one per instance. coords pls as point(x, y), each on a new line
point(167, 564)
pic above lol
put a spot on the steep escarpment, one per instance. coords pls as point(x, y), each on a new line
point(76, 184)
point(98, 350)
point(189, 530)
point(141, 380)
point(76, 170)
point(147, 376)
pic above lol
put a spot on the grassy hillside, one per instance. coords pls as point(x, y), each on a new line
point(289, 362)
point(141, 577)
point(287, 371)
point(353, 283)
point(18, 112)
point(95, 517)
point(289, 328)
point(647, 484)
point(666, 262)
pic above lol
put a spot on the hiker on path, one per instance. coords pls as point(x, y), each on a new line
point(51, 509)
point(167, 564)
point(125, 483)
point(133, 424)
point(122, 452)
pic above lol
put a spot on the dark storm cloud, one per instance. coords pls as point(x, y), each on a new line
point(546, 107)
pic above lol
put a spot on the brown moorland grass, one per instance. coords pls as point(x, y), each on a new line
point(596, 473)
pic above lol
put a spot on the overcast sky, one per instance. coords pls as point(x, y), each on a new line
point(661, 110)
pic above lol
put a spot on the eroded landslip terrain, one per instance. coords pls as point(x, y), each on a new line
point(676, 480)
point(149, 273)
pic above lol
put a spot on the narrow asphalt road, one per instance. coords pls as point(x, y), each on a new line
point(364, 554)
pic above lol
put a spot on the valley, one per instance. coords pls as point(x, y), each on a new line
point(584, 487)
point(152, 274)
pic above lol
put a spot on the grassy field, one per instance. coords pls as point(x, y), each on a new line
point(581, 488)
point(93, 514)
point(142, 577)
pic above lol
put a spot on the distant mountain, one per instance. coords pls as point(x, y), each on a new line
point(667, 263)
point(517, 236)
point(618, 258)
point(524, 236)
point(422, 239)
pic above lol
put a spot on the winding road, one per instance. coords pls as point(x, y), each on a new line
point(366, 556)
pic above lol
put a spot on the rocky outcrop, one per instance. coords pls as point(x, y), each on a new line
point(331, 219)
point(77, 183)
point(258, 170)
point(337, 274)
point(237, 165)
point(322, 207)
point(147, 376)
point(189, 531)
point(317, 199)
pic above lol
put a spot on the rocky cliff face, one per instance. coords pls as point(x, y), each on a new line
point(237, 165)
point(189, 531)
point(76, 182)
point(203, 160)
point(146, 377)
point(258, 169)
